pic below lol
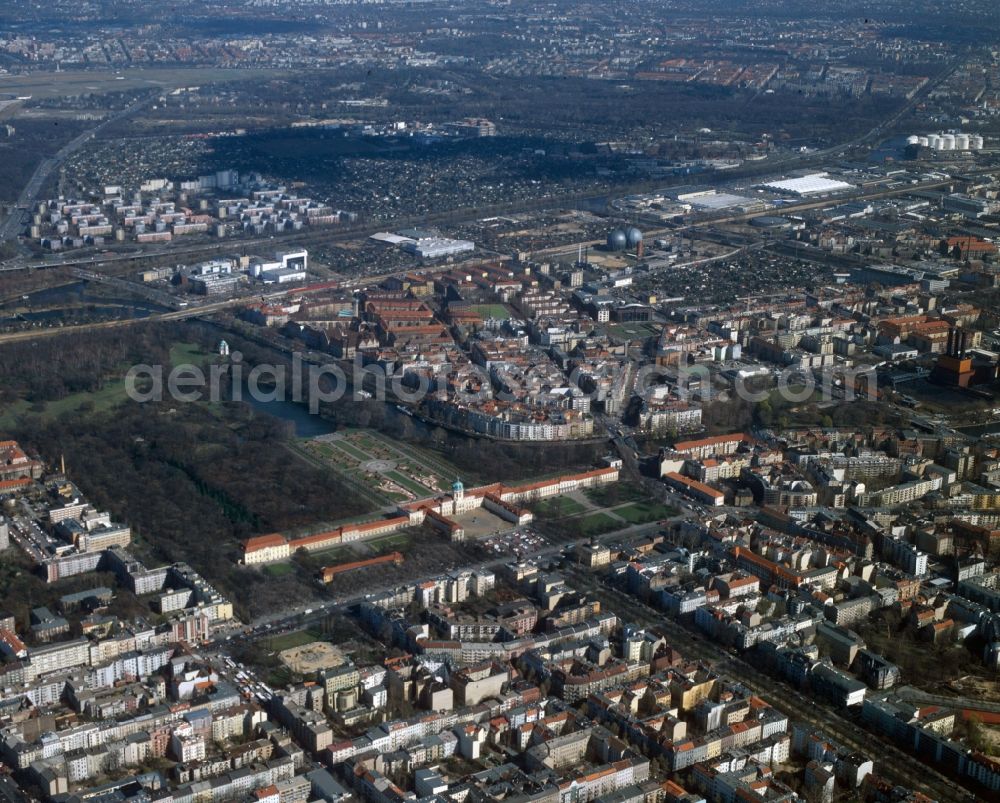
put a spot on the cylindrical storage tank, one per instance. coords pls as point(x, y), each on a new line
point(617, 240)
point(913, 139)
point(947, 142)
point(976, 142)
point(923, 141)
point(934, 141)
point(961, 142)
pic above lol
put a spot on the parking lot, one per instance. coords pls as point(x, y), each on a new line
point(522, 541)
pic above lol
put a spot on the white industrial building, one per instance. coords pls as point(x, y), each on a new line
point(713, 200)
point(287, 267)
point(437, 247)
point(213, 267)
point(282, 276)
point(812, 184)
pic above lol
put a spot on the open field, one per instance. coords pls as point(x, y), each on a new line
point(111, 395)
point(311, 657)
point(595, 524)
point(360, 550)
point(85, 82)
point(617, 493)
point(337, 554)
point(394, 542)
point(188, 354)
point(632, 331)
point(288, 641)
point(611, 507)
point(558, 507)
point(644, 512)
point(389, 471)
point(491, 310)
point(354, 452)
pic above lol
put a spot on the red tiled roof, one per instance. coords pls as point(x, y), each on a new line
point(11, 640)
point(374, 525)
point(716, 440)
point(316, 538)
point(330, 572)
point(263, 542)
point(701, 487)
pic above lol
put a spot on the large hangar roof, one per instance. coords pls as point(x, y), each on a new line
point(811, 184)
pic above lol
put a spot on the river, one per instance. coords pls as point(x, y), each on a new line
point(79, 299)
point(888, 149)
point(981, 430)
point(306, 424)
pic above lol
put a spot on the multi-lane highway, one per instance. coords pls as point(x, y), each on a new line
point(19, 216)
